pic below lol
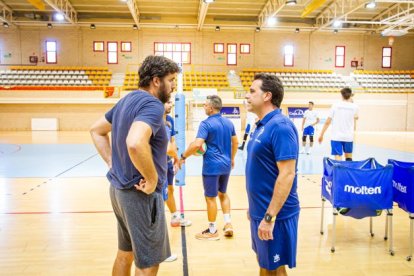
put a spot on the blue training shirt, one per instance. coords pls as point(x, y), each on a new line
point(217, 132)
point(172, 129)
point(275, 139)
point(136, 106)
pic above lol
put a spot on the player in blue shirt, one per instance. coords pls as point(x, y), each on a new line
point(220, 137)
point(271, 181)
point(136, 157)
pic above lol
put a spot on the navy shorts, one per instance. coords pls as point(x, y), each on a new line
point(309, 130)
point(170, 173)
point(338, 147)
point(215, 183)
point(165, 190)
point(281, 250)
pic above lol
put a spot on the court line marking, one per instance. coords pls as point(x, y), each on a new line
point(110, 211)
point(59, 174)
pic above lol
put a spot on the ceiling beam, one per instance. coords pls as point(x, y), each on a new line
point(271, 8)
point(202, 12)
point(6, 13)
point(400, 17)
point(391, 18)
point(65, 8)
point(133, 8)
point(398, 13)
point(337, 10)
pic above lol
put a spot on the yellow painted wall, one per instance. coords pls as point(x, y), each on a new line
point(312, 50)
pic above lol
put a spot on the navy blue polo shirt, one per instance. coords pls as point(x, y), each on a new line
point(217, 132)
point(275, 139)
point(136, 106)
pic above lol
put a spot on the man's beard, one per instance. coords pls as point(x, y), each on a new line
point(163, 94)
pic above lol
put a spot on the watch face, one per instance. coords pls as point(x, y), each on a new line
point(268, 218)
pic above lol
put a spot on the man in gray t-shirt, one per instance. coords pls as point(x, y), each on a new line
point(136, 157)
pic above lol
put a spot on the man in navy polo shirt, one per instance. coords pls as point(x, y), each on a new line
point(271, 181)
point(220, 137)
point(137, 159)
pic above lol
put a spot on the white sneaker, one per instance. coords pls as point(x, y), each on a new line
point(185, 222)
point(171, 258)
point(176, 222)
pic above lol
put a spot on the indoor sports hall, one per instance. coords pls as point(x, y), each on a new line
point(65, 63)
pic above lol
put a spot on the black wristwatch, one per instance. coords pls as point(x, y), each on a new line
point(269, 218)
point(182, 156)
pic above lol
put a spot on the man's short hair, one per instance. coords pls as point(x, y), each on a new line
point(311, 103)
point(215, 102)
point(156, 66)
point(346, 93)
point(272, 84)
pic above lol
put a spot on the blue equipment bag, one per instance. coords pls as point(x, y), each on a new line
point(362, 187)
point(403, 184)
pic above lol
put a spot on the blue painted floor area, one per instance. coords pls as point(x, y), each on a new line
point(82, 160)
point(48, 160)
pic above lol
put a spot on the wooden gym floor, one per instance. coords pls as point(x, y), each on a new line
point(64, 225)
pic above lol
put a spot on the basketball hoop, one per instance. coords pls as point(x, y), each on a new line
point(390, 40)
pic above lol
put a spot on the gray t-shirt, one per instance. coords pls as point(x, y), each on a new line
point(136, 106)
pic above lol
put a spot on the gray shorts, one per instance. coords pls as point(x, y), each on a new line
point(141, 225)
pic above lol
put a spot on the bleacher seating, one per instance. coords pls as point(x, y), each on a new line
point(382, 81)
point(216, 80)
point(323, 80)
point(190, 80)
point(40, 76)
point(131, 81)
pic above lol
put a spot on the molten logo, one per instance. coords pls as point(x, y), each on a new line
point(363, 190)
point(399, 187)
point(328, 186)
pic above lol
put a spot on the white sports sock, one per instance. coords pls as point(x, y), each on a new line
point(227, 218)
point(175, 215)
point(212, 227)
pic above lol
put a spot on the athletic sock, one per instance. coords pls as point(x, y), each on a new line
point(227, 218)
point(175, 215)
point(212, 227)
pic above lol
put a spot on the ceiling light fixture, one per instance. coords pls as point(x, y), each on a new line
point(337, 23)
point(257, 29)
point(135, 27)
point(49, 25)
point(5, 24)
point(271, 21)
point(291, 2)
point(217, 28)
point(93, 27)
point(335, 31)
point(297, 30)
point(371, 5)
point(208, 1)
point(59, 17)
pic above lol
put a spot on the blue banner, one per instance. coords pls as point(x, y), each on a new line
point(365, 185)
point(230, 111)
point(296, 112)
point(403, 184)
